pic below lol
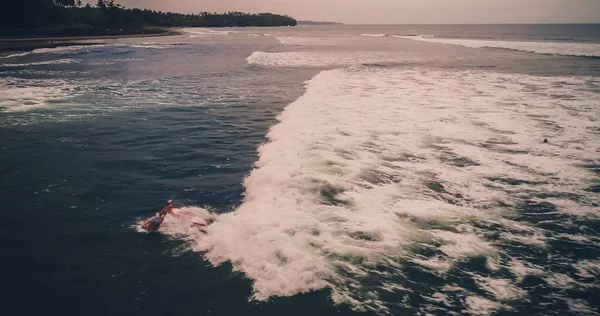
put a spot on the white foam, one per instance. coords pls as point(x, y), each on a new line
point(441, 298)
point(480, 306)
point(435, 263)
point(580, 239)
point(183, 227)
point(572, 207)
point(559, 280)
point(18, 97)
point(537, 239)
point(502, 289)
point(64, 49)
point(327, 59)
point(461, 245)
point(567, 49)
point(522, 269)
point(371, 163)
point(588, 268)
point(180, 227)
point(204, 31)
point(15, 55)
point(311, 41)
point(581, 307)
point(39, 63)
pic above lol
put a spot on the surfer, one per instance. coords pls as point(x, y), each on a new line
point(155, 222)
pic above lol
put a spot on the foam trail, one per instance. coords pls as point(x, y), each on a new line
point(566, 49)
point(384, 167)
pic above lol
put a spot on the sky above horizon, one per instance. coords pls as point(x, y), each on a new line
point(397, 11)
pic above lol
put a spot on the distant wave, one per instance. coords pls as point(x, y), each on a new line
point(152, 45)
point(548, 48)
point(309, 41)
point(50, 62)
point(204, 31)
point(328, 59)
point(83, 49)
point(64, 50)
point(375, 35)
point(15, 55)
point(77, 49)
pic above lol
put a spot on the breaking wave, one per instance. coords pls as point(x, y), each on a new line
point(39, 63)
point(329, 59)
point(566, 49)
point(390, 186)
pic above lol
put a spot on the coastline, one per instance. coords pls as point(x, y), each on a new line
point(30, 43)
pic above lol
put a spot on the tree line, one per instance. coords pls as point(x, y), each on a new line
point(72, 18)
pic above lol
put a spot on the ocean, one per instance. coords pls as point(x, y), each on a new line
point(350, 170)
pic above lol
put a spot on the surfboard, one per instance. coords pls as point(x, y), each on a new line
point(189, 216)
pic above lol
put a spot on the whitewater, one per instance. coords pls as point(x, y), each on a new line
point(409, 167)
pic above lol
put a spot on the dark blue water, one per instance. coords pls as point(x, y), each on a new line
point(95, 139)
point(142, 131)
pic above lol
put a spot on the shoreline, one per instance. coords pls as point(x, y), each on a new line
point(30, 43)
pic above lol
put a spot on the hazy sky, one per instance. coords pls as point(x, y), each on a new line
point(397, 11)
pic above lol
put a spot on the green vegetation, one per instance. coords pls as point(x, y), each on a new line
point(70, 18)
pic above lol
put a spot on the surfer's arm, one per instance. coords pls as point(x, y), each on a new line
point(164, 211)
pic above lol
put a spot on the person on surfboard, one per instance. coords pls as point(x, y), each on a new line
point(155, 222)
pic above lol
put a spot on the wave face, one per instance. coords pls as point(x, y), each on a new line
point(565, 49)
point(390, 186)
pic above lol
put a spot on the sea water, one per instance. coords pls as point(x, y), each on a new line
point(380, 170)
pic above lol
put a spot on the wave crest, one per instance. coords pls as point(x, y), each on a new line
point(565, 49)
